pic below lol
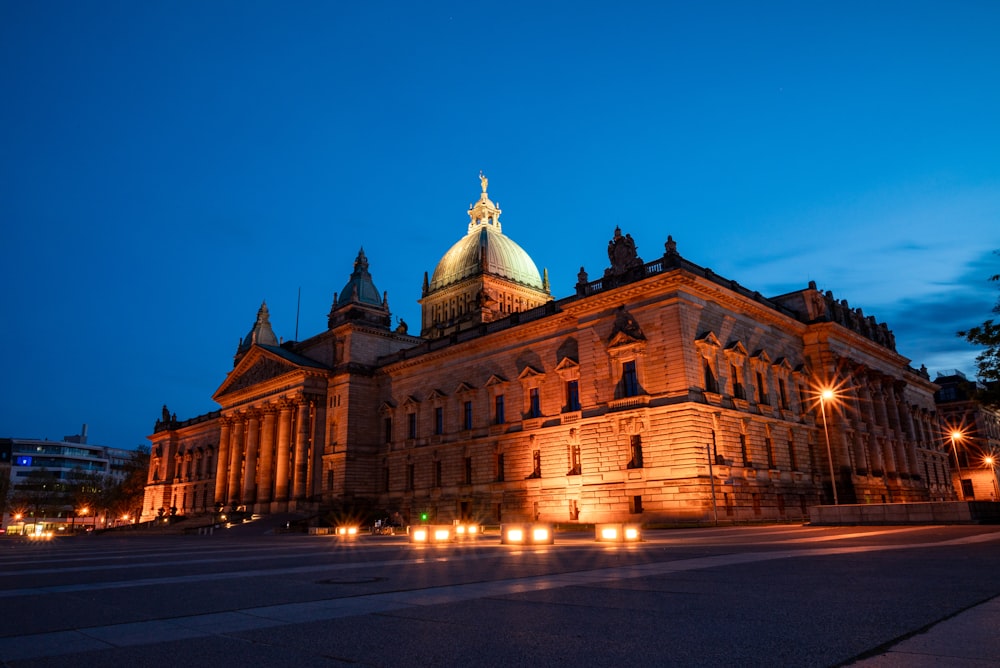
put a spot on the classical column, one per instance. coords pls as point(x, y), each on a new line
point(221, 461)
point(301, 467)
point(266, 462)
point(250, 470)
point(284, 438)
point(235, 461)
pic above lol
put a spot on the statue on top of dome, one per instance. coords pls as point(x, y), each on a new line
point(483, 181)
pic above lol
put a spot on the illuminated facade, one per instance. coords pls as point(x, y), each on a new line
point(658, 392)
point(976, 432)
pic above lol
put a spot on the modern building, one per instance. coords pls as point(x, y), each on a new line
point(973, 434)
point(658, 392)
point(42, 474)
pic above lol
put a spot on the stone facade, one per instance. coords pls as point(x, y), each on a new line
point(660, 392)
point(976, 430)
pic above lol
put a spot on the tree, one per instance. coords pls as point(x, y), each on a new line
point(133, 487)
point(988, 361)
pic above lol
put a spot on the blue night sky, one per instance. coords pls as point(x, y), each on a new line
point(167, 166)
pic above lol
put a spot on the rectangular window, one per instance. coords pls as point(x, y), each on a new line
point(710, 383)
point(468, 470)
point(635, 506)
point(329, 480)
point(630, 380)
point(536, 407)
point(437, 473)
point(438, 420)
point(635, 452)
point(536, 464)
point(409, 477)
point(467, 419)
point(782, 394)
point(387, 423)
point(499, 471)
point(770, 451)
point(574, 460)
point(793, 460)
point(738, 390)
point(385, 479)
point(573, 395)
point(411, 425)
point(498, 412)
point(743, 450)
point(761, 390)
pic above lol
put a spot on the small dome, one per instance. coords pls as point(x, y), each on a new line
point(360, 288)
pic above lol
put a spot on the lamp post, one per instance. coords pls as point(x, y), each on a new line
point(956, 436)
point(824, 396)
point(991, 461)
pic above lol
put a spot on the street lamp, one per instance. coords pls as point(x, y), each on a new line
point(957, 436)
point(827, 395)
point(991, 461)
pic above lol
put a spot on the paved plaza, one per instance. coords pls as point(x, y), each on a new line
point(783, 595)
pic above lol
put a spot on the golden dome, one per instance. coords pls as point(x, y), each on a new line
point(485, 250)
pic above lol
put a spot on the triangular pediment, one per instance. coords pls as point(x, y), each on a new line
point(257, 366)
point(463, 387)
point(782, 363)
point(567, 363)
point(386, 407)
point(528, 372)
point(411, 400)
point(708, 339)
point(736, 348)
point(436, 394)
point(495, 380)
point(623, 338)
point(762, 357)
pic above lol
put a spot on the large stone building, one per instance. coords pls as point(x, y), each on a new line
point(658, 392)
point(973, 430)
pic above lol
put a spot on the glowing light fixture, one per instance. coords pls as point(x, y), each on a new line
point(434, 533)
point(466, 530)
point(526, 534)
point(617, 533)
point(827, 394)
point(957, 435)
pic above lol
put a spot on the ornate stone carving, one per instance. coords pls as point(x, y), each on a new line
point(622, 253)
point(264, 369)
point(625, 330)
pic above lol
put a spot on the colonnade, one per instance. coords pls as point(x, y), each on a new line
point(879, 434)
point(264, 454)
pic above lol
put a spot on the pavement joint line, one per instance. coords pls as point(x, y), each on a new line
point(207, 625)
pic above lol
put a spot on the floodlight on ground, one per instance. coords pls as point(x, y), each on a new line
point(526, 534)
point(617, 533)
point(432, 533)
